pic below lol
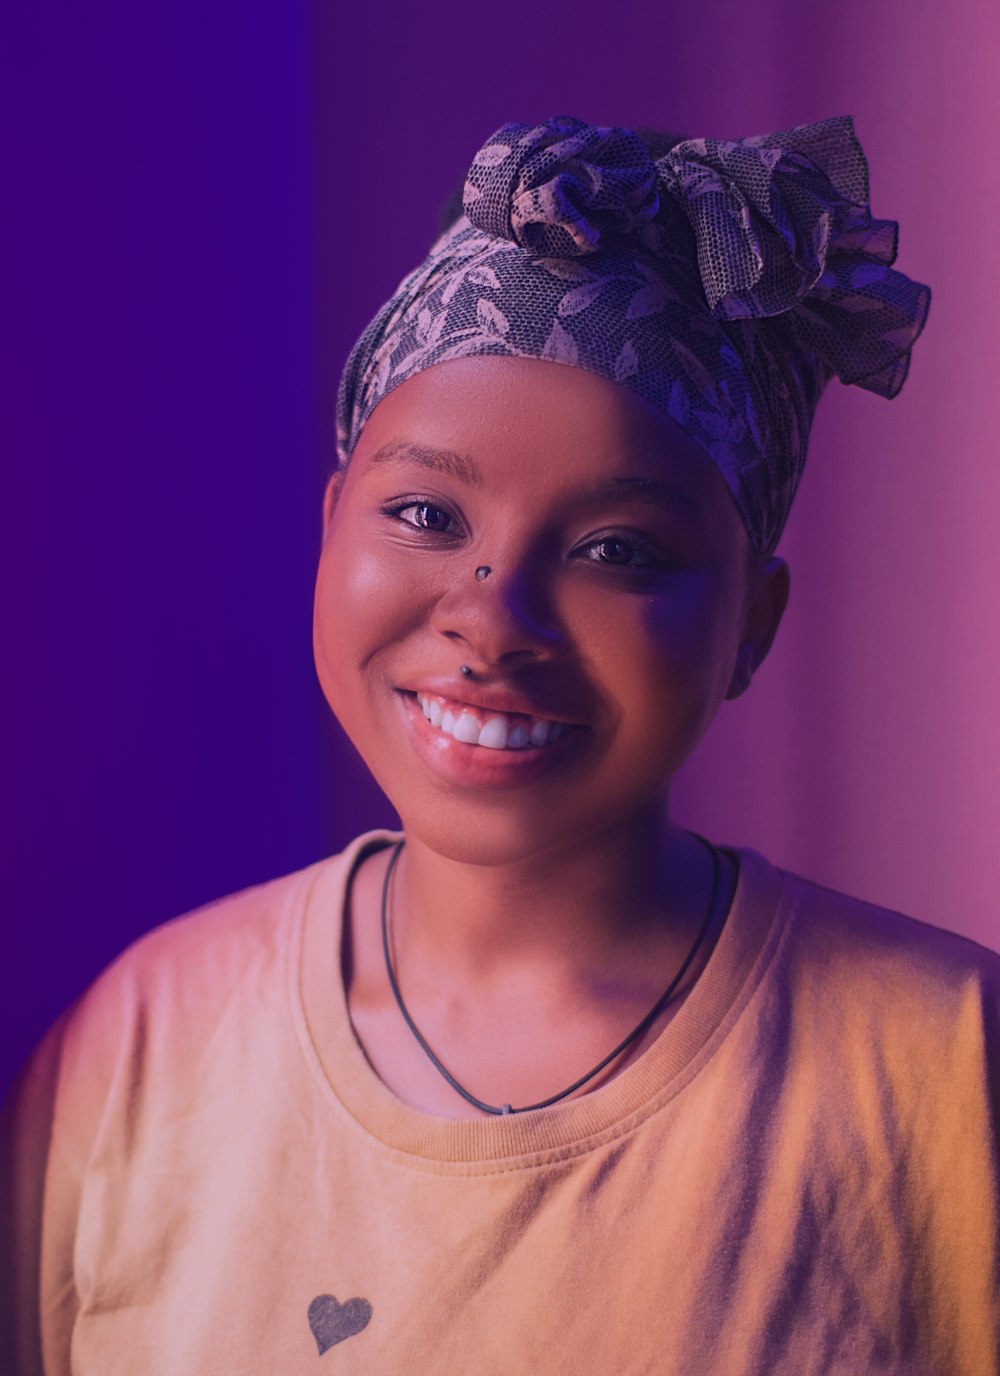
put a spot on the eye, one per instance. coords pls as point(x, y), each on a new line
point(621, 552)
point(422, 515)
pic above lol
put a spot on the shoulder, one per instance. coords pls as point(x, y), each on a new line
point(155, 1003)
point(853, 929)
point(873, 965)
point(228, 942)
point(886, 1028)
point(162, 1002)
point(200, 957)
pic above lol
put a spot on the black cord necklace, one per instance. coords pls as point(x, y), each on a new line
point(657, 1006)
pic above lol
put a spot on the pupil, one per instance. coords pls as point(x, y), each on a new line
point(615, 550)
point(428, 520)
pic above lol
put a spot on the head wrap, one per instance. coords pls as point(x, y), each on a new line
point(725, 282)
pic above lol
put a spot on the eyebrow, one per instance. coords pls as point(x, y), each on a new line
point(654, 492)
point(441, 460)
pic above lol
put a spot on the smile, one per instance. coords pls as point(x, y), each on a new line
point(480, 765)
point(491, 730)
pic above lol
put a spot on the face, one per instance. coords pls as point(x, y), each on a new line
point(622, 604)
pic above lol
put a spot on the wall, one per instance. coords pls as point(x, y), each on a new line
point(160, 716)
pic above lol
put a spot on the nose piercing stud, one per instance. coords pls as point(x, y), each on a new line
point(465, 671)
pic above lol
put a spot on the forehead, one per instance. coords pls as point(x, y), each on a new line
point(542, 424)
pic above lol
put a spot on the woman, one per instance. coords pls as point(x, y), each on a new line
point(544, 1082)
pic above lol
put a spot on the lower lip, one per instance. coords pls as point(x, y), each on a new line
point(478, 765)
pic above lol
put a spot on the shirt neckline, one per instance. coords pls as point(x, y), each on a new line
point(355, 1091)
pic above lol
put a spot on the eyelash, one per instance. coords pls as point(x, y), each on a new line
point(394, 510)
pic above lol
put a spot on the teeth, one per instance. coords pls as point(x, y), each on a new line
point(496, 733)
point(467, 729)
point(540, 733)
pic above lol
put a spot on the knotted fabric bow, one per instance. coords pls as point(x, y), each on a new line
point(725, 282)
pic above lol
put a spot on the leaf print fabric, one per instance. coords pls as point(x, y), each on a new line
point(491, 318)
point(627, 362)
point(724, 282)
point(561, 347)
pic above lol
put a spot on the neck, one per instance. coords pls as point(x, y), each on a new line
point(568, 916)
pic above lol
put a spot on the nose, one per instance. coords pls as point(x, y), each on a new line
point(498, 619)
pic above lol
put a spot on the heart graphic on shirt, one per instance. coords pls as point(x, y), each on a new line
point(331, 1322)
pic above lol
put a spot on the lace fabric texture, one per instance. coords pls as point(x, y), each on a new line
point(725, 282)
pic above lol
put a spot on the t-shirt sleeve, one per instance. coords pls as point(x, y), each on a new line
point(48, 1128)
point(36, 1207)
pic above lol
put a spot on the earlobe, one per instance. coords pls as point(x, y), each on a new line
point(742, 673)
point(764, 612)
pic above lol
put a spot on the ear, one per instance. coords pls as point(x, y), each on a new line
point(330, 497)
point(767, 599)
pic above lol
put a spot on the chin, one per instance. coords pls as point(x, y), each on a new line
point(500, 835)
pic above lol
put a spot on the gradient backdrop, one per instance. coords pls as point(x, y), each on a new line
point(205, 203)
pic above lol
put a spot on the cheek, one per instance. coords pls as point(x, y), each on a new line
point(670, 657)
point(357, 605)
point(690, 635)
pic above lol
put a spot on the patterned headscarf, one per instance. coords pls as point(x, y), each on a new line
point(725, 283)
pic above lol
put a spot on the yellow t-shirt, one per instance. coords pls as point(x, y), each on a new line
point(798, 1176)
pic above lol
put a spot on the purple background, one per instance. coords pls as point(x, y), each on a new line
point(209, 202)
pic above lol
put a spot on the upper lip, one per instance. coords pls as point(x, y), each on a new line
point(489, 699)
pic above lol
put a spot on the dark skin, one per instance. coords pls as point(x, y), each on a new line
point(535, 922)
